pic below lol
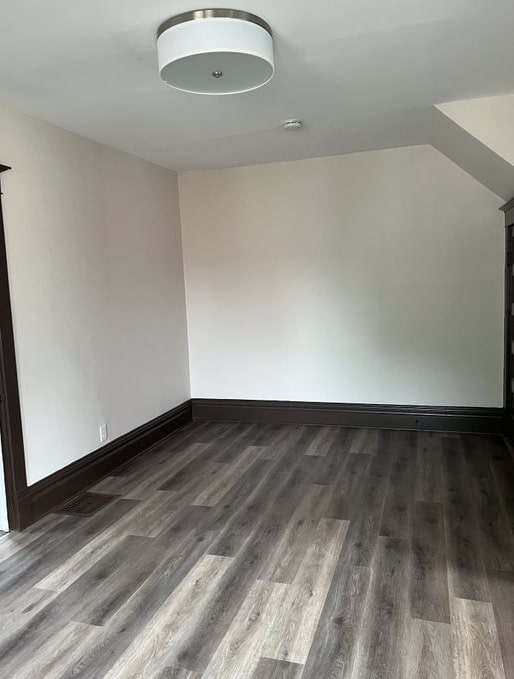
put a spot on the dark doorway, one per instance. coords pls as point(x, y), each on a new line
point(10, 415)
point(508, 400)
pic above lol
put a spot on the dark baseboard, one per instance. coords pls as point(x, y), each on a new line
point(508, 424)
point(419, 418)
point(54, 490)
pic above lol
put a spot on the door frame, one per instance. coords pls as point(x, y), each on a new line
point(508, 354)
point(13, 454)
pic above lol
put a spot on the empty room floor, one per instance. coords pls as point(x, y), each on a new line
point(269, 551)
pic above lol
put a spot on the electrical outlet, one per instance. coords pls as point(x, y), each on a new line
point(103, 433)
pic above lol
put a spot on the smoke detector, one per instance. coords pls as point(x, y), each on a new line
point(293, 124)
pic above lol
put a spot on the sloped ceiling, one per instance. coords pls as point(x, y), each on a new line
point(478, 135)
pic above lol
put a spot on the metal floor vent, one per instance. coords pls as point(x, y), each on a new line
point(86, 504)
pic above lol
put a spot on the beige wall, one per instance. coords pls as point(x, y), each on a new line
point(373, 277)
point(95, 264)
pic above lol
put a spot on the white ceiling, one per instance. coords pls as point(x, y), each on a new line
point(362, 74)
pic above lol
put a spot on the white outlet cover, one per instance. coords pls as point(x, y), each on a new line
point(103, 433)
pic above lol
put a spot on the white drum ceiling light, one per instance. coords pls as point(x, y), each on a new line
point(215, 51)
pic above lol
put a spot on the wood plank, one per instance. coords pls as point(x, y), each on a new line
point(149, 651)
point(143, 519)
point(240, 650)
point(233, 448)
point(286, 439)
point(366, 513)
point(194, 432)
point(195, 649)
point(454, 472)
point(396, 518)
point(466, 568)
point(294, 629)
point(475, 646)
point(348, 486)
point(334, 459)
point(222, 483)
point(364, 441)
point(195, 480)
point(295, 445)
point(467, 577)
point(275, 493)
point(429, 480)
point(176, 673)
point(502, 591)
point(429, 598)
point(185, 522)
point(96, 596)
point(266, 434)
point(323, 441)
point(142, 484)
point(240, 527)
point(126, 624)
point(332, 651)
point(427, 651)
point(16, 548)
point(385, 613)
point(179, 466)
point(493, 526)
point(22, 639)
point(277, 669)
point(206, 432)
point(196, 645)
point(33, 563)
point(170, 450)
point(48, 621)
point(258, 473)
point(15, 617)
point(61, 655)
point(101, 597)
point(504, 477)
point(283, 563)
point(398, 442)
point(12, 543)
point(494, 446)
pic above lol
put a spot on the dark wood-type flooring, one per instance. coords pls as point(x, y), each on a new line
point(274, 552)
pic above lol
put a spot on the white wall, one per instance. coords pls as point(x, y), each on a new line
point(96, 273)
point(374, 277)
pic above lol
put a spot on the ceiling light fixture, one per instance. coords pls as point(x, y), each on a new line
point(215, 51)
